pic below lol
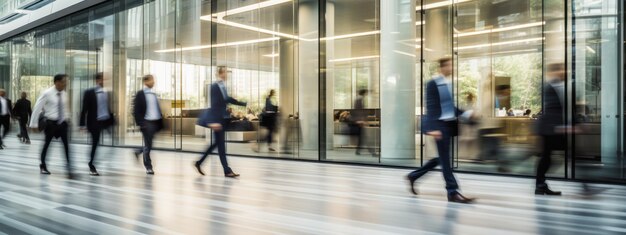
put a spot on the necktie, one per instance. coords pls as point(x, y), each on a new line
point(60, 109)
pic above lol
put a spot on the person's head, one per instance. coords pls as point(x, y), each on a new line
point(24, 95)
point(60, 81)
point(445, 66)
point(470, 97)
point(222, 72)
point(148, 80)
point(556, 71)
point(527, 113)
point(99, 78)
point(363, 92)
point(2, 92)
point(272, 93)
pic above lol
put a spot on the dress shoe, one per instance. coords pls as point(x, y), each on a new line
point(198, 167)
point(412, 184)
point(458, 198)
point(43, 169)
point(149, 172)
point(544, 190)
point(271, 149)
point(232, 175)
point(93, 171)
point(1, 147)
point(27, 141)
point(137, 153)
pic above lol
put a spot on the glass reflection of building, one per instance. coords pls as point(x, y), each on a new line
point(320, 55)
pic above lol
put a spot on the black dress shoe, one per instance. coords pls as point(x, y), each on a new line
point(43, 169)
point(137, 153)
point(546, 191)
point(198, 168)
point(149, 172)
point(232, 175)
point(93, 171)
point(458, 198)
point(412, 184)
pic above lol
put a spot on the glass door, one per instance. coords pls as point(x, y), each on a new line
point(597, 89)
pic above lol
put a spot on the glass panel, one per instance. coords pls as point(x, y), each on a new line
point(596, 73)
point(352, 81)
point(498, 48)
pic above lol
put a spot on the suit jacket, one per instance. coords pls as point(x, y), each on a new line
point(430, 121)
point(139, 112)
point(553, 115)
point(22, 109)
point(10, 108)
point(89, 111)
point(217, 112)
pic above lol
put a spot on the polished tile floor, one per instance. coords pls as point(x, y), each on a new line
point(278, 197)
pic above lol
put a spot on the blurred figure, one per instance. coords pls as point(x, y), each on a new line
point(22, 111)
point(95, 116)
point(217, 121)
point(358, 120)
point(269, 118)
point(527, 113)
point(51, 114)
point(148, 116)
point(441, 122)
point(551, 125)
point(5, 116)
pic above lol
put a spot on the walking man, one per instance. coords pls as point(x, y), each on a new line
point(5, 116)
point(22, 111)
point(51, 110)
point(149, 118)
point(95, 116)
point(441, 122)
point(217, 120)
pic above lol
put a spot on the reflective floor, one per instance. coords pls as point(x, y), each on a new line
point(278, 197)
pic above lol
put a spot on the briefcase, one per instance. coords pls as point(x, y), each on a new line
point(204, 118)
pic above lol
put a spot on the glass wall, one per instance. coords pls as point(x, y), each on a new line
point(347, 76)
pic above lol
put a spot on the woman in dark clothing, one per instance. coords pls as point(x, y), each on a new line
point(269, 117)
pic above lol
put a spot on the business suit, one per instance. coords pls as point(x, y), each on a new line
point(553, 117)
point(5, 119)
point(149, 126)
point(22, 111)
point(93, 120)
point(219, 115)
point(270, 116)
point(434, 121)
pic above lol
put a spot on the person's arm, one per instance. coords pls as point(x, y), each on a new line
point(233, 101)
point(37, 111)
point(16, 108)
point(136, 107)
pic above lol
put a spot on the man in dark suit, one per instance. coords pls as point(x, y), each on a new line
point(95, 116)
point(22, 111)
point(551, 125)
point(148, 117)
point(441, 122)
point(218, 117)
point(5, 115)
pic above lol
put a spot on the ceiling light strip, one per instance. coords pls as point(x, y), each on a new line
point(501, 43)
point(501, 29)
point(219, 45)
point(354, 58)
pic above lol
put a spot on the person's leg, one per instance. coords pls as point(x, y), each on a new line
point(359, 141)
point(431, 164)
point(24, 129)
point(220, 141)
point(44, 151)
point(443, 148)
point(7, 125)
point(206, 153)
point(63, 133)
point(544, 162)
point(148, 136)
point(95, 140)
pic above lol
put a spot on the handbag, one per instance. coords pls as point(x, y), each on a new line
point(204, 118)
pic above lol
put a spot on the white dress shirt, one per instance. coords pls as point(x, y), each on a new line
point(5, 106)
point(48, 105)
point(103, 104)
point(152, 105)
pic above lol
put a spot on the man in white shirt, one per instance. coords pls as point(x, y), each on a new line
point(5, 115)
point(149, 118)
point(95, 116)
point(52, 110)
